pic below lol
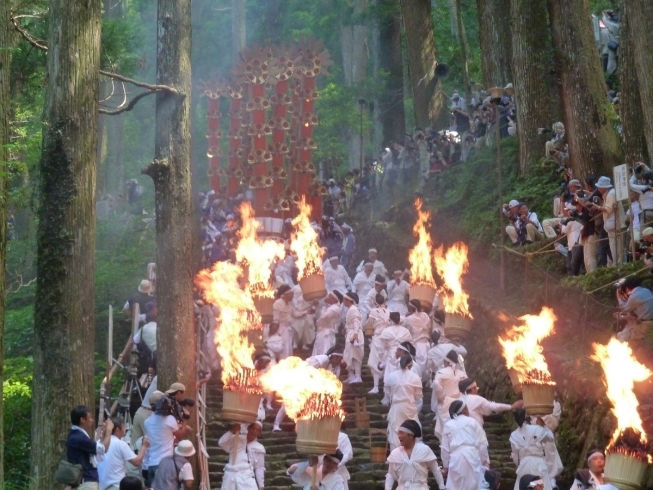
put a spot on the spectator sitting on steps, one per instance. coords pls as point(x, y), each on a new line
point(525, 227)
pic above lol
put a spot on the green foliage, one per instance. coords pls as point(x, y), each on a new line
point(17, 399)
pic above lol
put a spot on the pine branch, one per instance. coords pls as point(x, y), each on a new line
point(129, 106)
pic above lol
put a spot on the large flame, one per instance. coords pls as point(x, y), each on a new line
point(237, 316)
point(307, 393)
point(420, 255)
point(522, 349)
point(304, 243)
point(257, 254)
point(622, 370)
point(451, 266)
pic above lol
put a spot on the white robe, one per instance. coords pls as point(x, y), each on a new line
point(249, 469)
point(464, 453)
point(479, 407)
point(274, 346)
point(302, 321)
point(553, 461)
point(378, 318)
point(337, 279)
point(527, 444)
point(392, 336)
point(282, 312)
point(398, 296)
point(368, 302)
point(435, 361)
point(327, 326)
point(353, 328)
point(412, 472)
point(363, 283)
point(445, 386)
point(419, 325)
point(378, 268)
point(404, 389)
point(283, 271)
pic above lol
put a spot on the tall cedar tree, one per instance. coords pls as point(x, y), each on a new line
point(428, 98)
point(5, 66)
point(64, 323)
point(532, 62)
point(631, 110)
point(594, 144)
point(494, 37)
point(391, 104)
point(170, 171)
point(639, 14)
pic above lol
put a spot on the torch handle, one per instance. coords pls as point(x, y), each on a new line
point(314, 476)
point(234, 454)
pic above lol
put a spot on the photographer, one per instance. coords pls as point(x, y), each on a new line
point(179, 402)
point(641, 181)
point(560, 208)
point(525, 227)
point(636, 304)
point(573, 226)
point(645, 247)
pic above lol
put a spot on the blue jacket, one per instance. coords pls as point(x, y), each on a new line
point(79, 449)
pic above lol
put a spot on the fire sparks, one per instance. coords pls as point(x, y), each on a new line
point(237, 315)
point(522, 349)
point(307, 393)
point(420, 255)
point(257, 254)
point(621, 371)
point(451, 266)
point(304, 242)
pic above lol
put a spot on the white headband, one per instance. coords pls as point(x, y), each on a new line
point(462, 407)
point(332, 294)
point(595, 453)
point(407, 431)
point(332, 458)
point(535, 483)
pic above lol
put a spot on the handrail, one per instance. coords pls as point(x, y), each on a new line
point(203, 325)
point(115, 363)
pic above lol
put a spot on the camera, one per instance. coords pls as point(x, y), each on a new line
point(178, 408)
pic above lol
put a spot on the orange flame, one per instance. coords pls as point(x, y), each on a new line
point(258, 254)
point(622, 370)
point(420, 255)
point(451, 267)
point(307, 393)
point(522, 349)
point(237, 316)
point(304, 242)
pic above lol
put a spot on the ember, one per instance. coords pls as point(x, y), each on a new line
point(538, 377)
point(632, 443)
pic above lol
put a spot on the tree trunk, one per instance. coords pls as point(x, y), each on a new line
point(453, 18)
point(594, 145)
point(630, 104)
point(639, 14)
point(64, 320)
point(354, 53)
point(464, 50)
point(532, 64)
point(391, 104)
point(428, 98)
point(5, 107)
point(170, 172)
point(494, 37)
point(238, 27)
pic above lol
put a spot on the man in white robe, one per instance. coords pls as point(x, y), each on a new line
point(336, 277)
point(409, 463)
point(302, 322)
point(377, 265)
point(282, 313)
point(464, 450)
point(327, 324)
point(419, 325)
point(445, 386)
point(283, 270)
point(404, 391)
point(435, 360)
point(354, 339)
point(378, 319)
point(553, 461)
point(245, 469)
point(398, 290)
point(364, 280)
point(369, 300)
point(326, 477)
point(479, 407)
point(391, 337)
point(527, 443)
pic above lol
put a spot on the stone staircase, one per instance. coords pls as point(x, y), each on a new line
point(281, 452)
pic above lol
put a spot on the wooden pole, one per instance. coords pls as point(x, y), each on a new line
point(314, 475)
